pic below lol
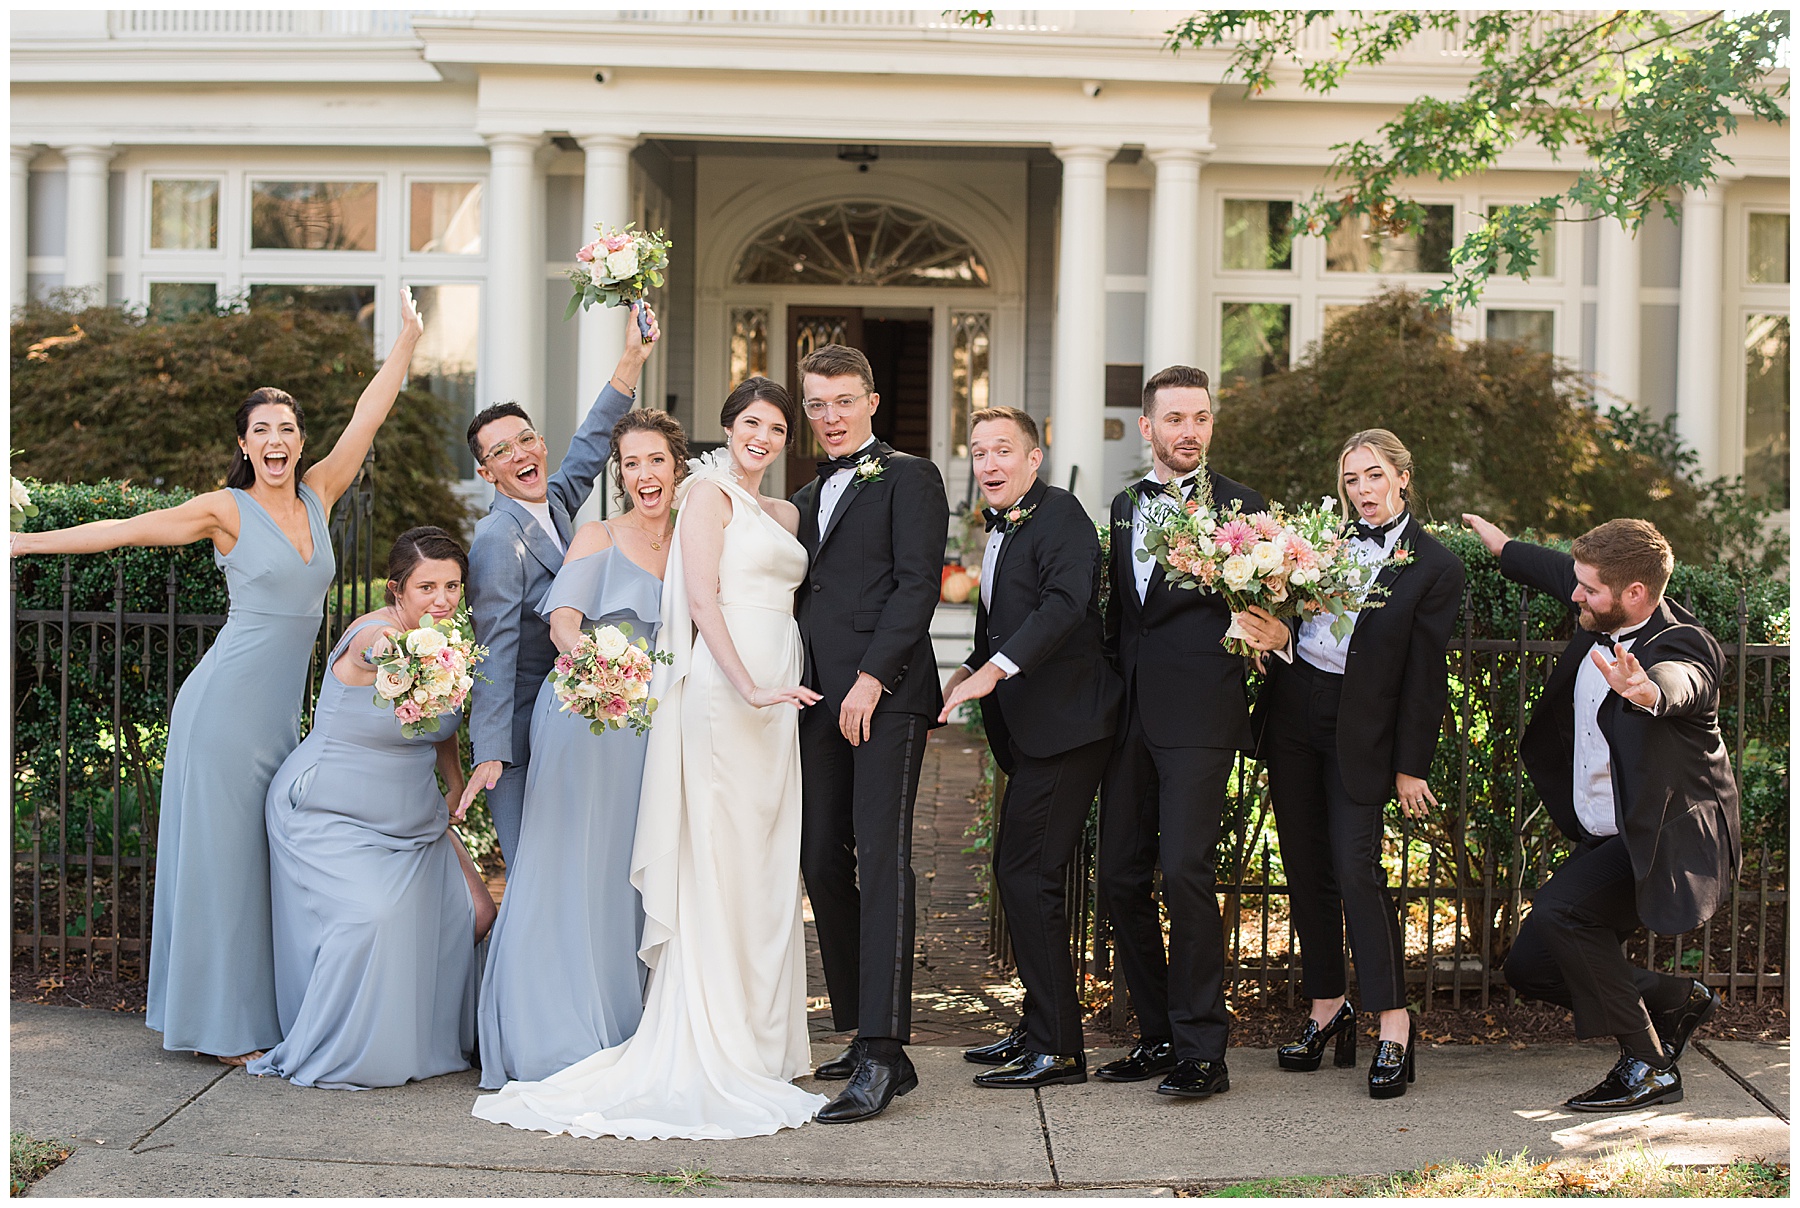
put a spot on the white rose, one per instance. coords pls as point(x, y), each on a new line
point(609, 643)
point(1353, 575)
point(636, 690)
point(421, 695)
point(622, 263)
point(425, 642)
point(1328, 503)
point(1302, 576)
point(439, 680)
point(391, 683)
point(21, 498)
point(1265, 556)
point(464, 683)
point(589, 690)
point(1237, 572)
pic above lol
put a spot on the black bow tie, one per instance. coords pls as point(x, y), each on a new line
point(1149, 488)
point(1378, 532)
point(995, 519)
point(828, 468)
point(1604, 639)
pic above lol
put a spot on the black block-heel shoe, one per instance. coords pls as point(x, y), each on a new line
point(1307, 1053)
point(1393, 1067)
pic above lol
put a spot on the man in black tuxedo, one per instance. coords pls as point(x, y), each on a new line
point(1625, 750)
point(1185, 719)
point(1050, 706)
point(874, 524)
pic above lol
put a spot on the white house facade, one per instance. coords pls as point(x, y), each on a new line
point(1038, 214)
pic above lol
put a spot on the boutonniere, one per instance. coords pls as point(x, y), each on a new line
point(1016, 516)
point(869, 469)
point(1402, 555)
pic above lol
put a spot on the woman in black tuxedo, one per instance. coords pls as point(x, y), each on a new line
point(1344, 726)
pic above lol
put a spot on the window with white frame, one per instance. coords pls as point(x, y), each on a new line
point(1535, 329)
point(1254, 340)
point(444, 217)
point(1543, 247)
point(1767, 262)
point(184, 215)
point(1766, 405)
point(1358, 245)
point(314, 215)
point(1257, 235)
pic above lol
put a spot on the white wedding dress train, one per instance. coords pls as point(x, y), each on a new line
point(717, 860)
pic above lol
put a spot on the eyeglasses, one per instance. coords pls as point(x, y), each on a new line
point(526, 441)
point(816, 408)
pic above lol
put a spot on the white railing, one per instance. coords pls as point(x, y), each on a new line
point(264, 22)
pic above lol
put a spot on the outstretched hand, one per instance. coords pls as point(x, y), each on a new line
point(482, 776)
point(798, 696)
point(971, 686)
point(1490, 533)
point(411, 324)
point(1626, 676)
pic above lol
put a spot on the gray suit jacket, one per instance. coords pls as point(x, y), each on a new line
point(511, 564)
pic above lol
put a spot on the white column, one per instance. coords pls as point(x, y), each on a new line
point(1698, 330)
point(1078, 398)
point(1617, 317)
point(84, 255)
point(1173, 337)
point(605, 198)
point(514, 343)
point(21, 202)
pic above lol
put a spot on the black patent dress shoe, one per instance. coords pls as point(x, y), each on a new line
point(1395, 1064)
point(1631, 1084)
point(1000, 1051)
point(839, 1067)
point(1677, 1027)
point(1036, 1069)
point(1307, 1052)
point(1193, 1078)
point(1147, 1059)
point(873, 1085)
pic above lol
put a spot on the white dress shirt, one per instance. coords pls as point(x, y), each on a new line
point(990, 562)
point(1594, 804)
point(1141, 568)
point(541, 512)
point(1318, 645)
point(833, 488)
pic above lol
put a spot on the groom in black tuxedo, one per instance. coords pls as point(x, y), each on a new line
point(1185, 719)
point(874, 524)
point(1625, 750)
point(1050, 705)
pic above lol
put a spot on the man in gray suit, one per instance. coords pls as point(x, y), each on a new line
point(518, 549)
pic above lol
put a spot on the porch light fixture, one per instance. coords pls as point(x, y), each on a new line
point(862, 156)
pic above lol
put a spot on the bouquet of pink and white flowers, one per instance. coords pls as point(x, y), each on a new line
point(1288, 563)
point(425, 674)
point(606, 679)
point(617, 268)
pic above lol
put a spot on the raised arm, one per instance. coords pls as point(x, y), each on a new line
point(580, 468)
point(332, 475)
point(213, 516)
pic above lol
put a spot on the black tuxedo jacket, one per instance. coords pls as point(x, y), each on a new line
point(872, 583)
point(1673, 791)
point(1046, 619)
point(1167, 647)
point(1396, 682)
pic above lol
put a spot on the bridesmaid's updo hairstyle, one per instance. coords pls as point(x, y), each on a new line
point(753, 390)
point(427, 543)
point(1387, 446)
point(242, 474)
point(648, 420)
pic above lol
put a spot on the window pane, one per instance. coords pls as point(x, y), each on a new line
point(357, 301)
point(444, 363)
point(1766, 405)
point(336, 216)
point(970, 342)
point(445, 218)
point(1536, 329)
point(184, 214)
point(749, 343)
point(172, 300)
point(1352, 248)
point(1253, 340)
point(861, 243)
point(1544, 245)
point(1259, 235)
point(1769, 249)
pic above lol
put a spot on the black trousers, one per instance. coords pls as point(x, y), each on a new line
point(1041, 819)
point(1167, 802)
point(1570, 949)
point(1330, 846)
point(856, 812)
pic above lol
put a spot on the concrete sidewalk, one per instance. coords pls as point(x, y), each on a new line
point(146, 1122)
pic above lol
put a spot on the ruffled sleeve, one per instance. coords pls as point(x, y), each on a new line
point(607, 586)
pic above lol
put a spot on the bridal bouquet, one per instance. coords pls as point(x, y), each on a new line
point(617, 268)
point(426, 673)
point(606, 679)
point(1287, 562)
point(21, 508)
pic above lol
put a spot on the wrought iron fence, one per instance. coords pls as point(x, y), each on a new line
point(84, 847)
point(1463, 879)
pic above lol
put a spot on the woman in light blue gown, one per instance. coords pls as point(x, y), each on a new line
point(563, 977)
point(237, 716)
point(377, 908)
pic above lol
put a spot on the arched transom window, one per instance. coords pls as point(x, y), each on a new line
point(861, 243)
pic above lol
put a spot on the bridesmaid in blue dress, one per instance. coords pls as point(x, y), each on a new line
point(378, 908)
point(212, 971)
point(563, 977)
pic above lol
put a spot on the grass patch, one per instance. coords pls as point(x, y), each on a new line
point(32, 1159)
point(683, 1181)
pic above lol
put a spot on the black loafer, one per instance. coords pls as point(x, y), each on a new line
point(1631, 1084)
point(873, 1085)
point(1395, 1065)
point(1000, 1051)
point(1147, 1059)
point(1307, 1052)
point(839, 1067)
point(1195, 1079)
point(1036, 1069)
point(1677, 1027)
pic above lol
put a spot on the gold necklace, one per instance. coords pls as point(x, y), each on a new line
point(656, 543)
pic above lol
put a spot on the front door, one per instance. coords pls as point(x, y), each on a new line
point(809, 329)
point(898, 345)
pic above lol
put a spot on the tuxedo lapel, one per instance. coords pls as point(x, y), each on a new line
point(536, 539)
point(852, 492)
point(809, 517)
point(1030, 499)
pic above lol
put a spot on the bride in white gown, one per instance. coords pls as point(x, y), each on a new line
point(717, 852)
